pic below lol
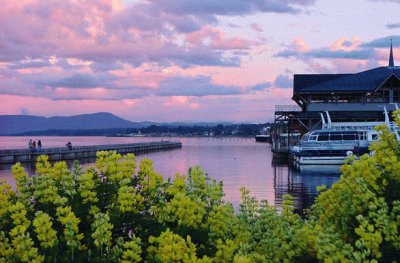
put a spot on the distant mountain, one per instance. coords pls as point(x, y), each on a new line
point(17, 124)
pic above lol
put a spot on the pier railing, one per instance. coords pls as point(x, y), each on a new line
point(76, 152)
point(287, 108)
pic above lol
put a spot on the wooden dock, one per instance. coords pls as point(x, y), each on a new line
point(10, 156)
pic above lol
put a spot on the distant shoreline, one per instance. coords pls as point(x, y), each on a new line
point(146, 136)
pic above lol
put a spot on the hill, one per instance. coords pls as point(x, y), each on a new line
point(17, 124)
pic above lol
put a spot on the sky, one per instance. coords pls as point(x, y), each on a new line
point(182, 60)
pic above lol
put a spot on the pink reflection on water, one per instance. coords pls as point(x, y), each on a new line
point(237, 162)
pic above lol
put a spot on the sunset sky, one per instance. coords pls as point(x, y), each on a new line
point(182, 60)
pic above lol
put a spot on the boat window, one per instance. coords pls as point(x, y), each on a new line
point(374, 137)
point(305, 137)
point(313, 138)
point(336, 137)
point(323, 137)
point(362, 136)
point(349, 136)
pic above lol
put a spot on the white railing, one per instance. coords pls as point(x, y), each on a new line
point(287, 108)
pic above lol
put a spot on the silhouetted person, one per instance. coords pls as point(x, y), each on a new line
point(69, 145)
point(30, 145)
point(39, 145)
point(34, 146)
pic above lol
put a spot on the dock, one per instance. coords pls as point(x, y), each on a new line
point(10, 156)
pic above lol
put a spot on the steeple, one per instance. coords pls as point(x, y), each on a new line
point(391, 60)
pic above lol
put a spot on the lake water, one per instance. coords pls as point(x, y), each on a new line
point(236, 162)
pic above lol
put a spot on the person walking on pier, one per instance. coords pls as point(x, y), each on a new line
point(39, 145)
point(69, 145)
point(30, 145)
point(34, 146)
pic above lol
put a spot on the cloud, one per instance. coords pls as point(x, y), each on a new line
point(393, 25)
point(71, 81)
point(105, 54)
point(217, 40)
point(342, 49)
point(38, 63)
point(283, 81)
point(77, 81)
point(105, 66)
point(231, 7)
point(362, 54)
point(354, 54)
point(342, 55)
point(95, 32)
point(261, 86)
point(383, 42)
point(194, 86)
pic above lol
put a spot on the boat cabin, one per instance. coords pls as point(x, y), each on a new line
point(339, 136)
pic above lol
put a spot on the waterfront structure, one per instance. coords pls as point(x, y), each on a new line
point(10, 156)
point(337, 140)
point(357, 97)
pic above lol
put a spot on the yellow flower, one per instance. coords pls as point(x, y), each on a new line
point(44, 231)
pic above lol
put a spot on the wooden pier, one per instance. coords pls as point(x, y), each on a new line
point(10, 156)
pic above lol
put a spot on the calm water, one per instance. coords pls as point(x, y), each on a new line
point(236, 162)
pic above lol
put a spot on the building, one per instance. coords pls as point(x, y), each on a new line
point(348, 97)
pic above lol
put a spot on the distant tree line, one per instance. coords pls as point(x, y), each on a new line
point(162, 130)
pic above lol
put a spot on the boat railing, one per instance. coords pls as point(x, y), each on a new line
point(329, 147)
point(356, 125)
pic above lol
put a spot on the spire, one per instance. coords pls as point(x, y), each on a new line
point(391, 60)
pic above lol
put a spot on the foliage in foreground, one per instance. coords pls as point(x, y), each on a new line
point(118, 212)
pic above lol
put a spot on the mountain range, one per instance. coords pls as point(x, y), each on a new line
point(17, 124)
point(21, 124)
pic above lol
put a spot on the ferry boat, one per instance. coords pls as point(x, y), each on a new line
point(334, 142)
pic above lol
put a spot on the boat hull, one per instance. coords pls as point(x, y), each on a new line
point(263, 138)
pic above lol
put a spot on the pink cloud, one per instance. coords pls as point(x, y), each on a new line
point(300, 45)
point(156, 60)
point(90, 30)
point(345, 44)
point(217, 39)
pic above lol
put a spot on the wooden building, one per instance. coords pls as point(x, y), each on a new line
point(347, 97)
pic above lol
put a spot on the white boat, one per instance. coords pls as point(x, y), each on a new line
point(334, 142)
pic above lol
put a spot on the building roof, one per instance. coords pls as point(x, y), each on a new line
point(302, 81)
point(366, 81)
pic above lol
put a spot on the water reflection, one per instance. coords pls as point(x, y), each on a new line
point(301, 183)
point(237, 162)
